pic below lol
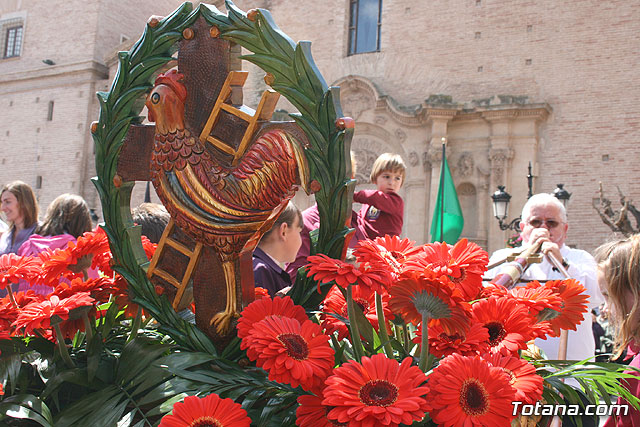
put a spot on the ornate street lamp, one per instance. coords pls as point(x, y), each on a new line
point(501, 209)
point(562, 195)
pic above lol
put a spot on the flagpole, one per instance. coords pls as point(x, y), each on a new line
point(441, 190)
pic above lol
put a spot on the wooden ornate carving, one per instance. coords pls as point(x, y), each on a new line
point(223, 181)
point(223, 171)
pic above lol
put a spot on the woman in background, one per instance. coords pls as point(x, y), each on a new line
point(67, 218)
point(20, 208)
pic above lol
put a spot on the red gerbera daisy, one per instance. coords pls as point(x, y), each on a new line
point(312, 413)
point(508, 323)
point(522, 376)
point(14, 268)
point(99, 288)
point(388, 252)
point(434, 257)
point(95, 245)
point(38, 315)
point(261, 308)
point(379, 391)
point(535, 296)
point(377, 278)
point(414, 295)
point(206, 411)
point(574, 304)
point(474, 341)
point(292, 353)
point(464, 263)
point(9, 312)
point(8, 315)
point(541, 330)
point(335, 303)
point(470, 256)
point(325, 270)
point(90, 243)
point(56, 264)
point(467, 391)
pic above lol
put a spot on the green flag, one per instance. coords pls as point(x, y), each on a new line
point(447, 221)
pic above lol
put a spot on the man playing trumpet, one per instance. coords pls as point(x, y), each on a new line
point(544, 222)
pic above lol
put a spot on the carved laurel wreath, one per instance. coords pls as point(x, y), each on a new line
point(291, 72)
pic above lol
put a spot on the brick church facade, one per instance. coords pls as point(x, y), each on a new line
point(506, 83)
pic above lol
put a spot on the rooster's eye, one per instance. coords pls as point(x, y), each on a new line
point(155, 98)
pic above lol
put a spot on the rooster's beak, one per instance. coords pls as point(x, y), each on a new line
point(150, 116)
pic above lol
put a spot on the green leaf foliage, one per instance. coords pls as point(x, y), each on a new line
point(599, 381)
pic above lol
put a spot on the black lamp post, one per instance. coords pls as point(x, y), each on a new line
point(501, 203)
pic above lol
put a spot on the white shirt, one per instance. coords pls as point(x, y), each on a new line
point(582, 267)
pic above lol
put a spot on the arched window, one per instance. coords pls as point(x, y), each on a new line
point(364, 26)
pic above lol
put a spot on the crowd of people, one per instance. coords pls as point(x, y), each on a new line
point(66, 218)
point(611, 278)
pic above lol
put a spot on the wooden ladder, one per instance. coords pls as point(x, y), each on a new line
point(193, 260)
point(234, 82)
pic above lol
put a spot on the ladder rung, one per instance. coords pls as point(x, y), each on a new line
point(221, 145)
point(236, 112)
point(166, 276)
point(179, 247)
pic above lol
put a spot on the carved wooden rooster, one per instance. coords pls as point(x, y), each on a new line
point(223, 206)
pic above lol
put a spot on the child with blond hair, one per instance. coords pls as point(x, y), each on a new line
point(382, 209)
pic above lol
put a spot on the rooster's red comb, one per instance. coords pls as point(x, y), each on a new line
point(173, 78)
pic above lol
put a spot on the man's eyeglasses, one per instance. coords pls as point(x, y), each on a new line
point(537, 223)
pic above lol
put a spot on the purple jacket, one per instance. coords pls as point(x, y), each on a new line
point(267, 274)
point(6, 247)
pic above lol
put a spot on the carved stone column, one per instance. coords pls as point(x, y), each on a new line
point(513, 143)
